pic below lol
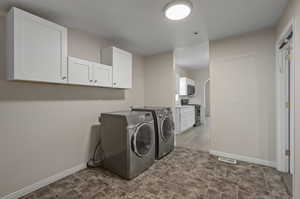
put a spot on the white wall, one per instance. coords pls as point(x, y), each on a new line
point(160, 80)
point(293, 11)
point(182, 72)
point(242, 73)
point(46, 128)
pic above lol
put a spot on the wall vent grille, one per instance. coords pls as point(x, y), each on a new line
point(227, 160)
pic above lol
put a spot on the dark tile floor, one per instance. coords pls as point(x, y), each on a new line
point(183, 174)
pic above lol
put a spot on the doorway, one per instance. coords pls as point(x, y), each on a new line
point(285, 105)
point(192, 69)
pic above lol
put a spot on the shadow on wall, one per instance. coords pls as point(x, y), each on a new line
point(20, 91)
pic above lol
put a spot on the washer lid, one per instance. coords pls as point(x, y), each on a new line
point(133, 118)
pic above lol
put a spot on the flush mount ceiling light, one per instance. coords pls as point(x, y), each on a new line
point(178, 10)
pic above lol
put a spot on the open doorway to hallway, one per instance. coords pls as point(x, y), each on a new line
point(192, 97)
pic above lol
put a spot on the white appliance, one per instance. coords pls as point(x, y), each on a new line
point(186, 87)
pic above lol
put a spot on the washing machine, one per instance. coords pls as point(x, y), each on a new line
point(164, 129)
point(128, 142)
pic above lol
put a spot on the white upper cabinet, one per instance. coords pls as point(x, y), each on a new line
point(121, 62)
point(83, 72)
point(102, 75)
point(37, 48)
point(80, 71)
point(37, 51)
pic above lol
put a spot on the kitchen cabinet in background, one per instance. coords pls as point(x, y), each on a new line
point(184, 118)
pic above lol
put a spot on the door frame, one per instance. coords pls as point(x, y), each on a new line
point(204, 97)
point(280, 100)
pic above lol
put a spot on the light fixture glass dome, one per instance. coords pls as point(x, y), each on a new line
point(178, 10)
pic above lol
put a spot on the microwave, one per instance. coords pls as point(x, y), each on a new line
point(187, 87)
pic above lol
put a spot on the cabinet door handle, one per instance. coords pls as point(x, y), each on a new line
point(115, 83)
point(64, 77)
point(95, 81)
point(91, 80)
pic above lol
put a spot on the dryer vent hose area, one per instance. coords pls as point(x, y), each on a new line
point(98, 155)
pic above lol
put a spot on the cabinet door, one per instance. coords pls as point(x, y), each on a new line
point(102, 75)
point(187, 117)
point(184, 120)
point(80, 71)
point(177, 120)
point(37, 48)
point(122, 69)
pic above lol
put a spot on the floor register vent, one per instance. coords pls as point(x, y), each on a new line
point(227, 160)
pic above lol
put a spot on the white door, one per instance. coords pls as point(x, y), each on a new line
point(80, 71)
point(122, 69)
point(102, 75)
point(38, 48)
point(287, 97)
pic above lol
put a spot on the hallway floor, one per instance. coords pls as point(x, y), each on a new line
point(185, 173)
point(197, 138)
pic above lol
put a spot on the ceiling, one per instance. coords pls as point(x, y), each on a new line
point(195, 57)
point(140, 26)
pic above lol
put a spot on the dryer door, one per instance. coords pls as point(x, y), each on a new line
point(167, 128)
point(142, 139)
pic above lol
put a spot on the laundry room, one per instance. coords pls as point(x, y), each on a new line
point(149, 99)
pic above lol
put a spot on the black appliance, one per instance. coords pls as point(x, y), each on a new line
point(191, 90)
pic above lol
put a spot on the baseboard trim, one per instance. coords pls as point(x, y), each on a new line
point(44, 182)
point(244, 158)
